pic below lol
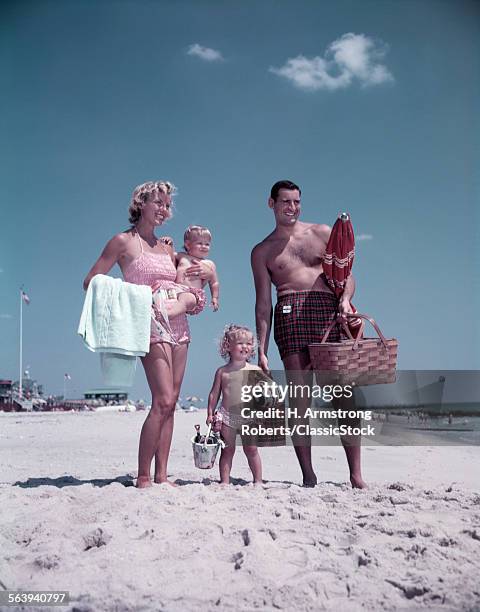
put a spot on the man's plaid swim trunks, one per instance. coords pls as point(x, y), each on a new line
point(302, 318)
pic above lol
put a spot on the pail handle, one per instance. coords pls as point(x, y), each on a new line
point(207, 435)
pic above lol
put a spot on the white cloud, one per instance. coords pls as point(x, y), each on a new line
point(5, 316)
point(361, 237)
point(209, 55)
point(350, 58)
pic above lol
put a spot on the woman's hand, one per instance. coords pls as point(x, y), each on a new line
point(166, 240)
point(209, 419)
point(199, 269)
point(215, 304)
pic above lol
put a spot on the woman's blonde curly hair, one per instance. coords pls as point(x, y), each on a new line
point(234, 332)
point(141, 194)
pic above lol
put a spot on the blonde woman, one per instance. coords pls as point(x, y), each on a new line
point(145, 259)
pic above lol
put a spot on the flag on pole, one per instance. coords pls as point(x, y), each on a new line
point(67, 377)
point(25, 297)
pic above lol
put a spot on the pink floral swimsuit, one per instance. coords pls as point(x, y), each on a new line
point(148, 268)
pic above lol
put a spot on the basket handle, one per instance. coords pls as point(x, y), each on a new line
point(339, 319)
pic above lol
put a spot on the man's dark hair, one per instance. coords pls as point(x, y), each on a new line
point(283, 185)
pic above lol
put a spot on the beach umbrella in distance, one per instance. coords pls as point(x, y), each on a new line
point(338, 260)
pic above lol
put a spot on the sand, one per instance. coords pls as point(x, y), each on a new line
point(70, 521)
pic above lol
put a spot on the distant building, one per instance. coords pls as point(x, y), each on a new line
point(30, 387)
point(6, 391)
point(107, 395)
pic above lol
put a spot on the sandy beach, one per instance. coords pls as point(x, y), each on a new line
point(71, 520)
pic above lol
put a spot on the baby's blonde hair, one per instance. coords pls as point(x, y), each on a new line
point(194, 231)
point(141, 194)
point(234, 332)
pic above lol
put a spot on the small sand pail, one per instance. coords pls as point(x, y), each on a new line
point(204, 455)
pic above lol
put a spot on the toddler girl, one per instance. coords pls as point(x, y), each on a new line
point(238, 347)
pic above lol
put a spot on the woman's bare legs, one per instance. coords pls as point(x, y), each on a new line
point(158, 425)
point(179, 361)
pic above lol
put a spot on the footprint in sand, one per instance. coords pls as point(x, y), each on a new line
point(398, 486)
point(447, 542)
point(295, 515)
point(238, 559)
point(472, 533)
point(47, 562)
point(96, 538)
point(246, 537)
point(409, 590)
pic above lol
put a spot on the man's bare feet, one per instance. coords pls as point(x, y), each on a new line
point(309, 480)
point(143, 482)
point(358, 482)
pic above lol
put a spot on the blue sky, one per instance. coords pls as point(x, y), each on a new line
point(371, 107)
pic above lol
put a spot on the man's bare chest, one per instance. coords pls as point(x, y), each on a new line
point(295, 254)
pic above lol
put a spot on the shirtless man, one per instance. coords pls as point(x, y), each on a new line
point(291, 258)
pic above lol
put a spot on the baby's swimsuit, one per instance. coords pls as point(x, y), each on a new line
point(148, 268)
point(200, 296)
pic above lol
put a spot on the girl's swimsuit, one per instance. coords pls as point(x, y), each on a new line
point(148, 268)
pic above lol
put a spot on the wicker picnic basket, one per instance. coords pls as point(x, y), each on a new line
point(362, 361)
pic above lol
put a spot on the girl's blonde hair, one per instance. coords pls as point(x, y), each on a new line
point(231, 333)
point(141, 194)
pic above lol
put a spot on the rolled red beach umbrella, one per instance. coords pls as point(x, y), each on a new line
point(338, 260)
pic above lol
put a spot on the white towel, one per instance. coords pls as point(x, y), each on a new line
point(116, 316)
point(116, 321)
